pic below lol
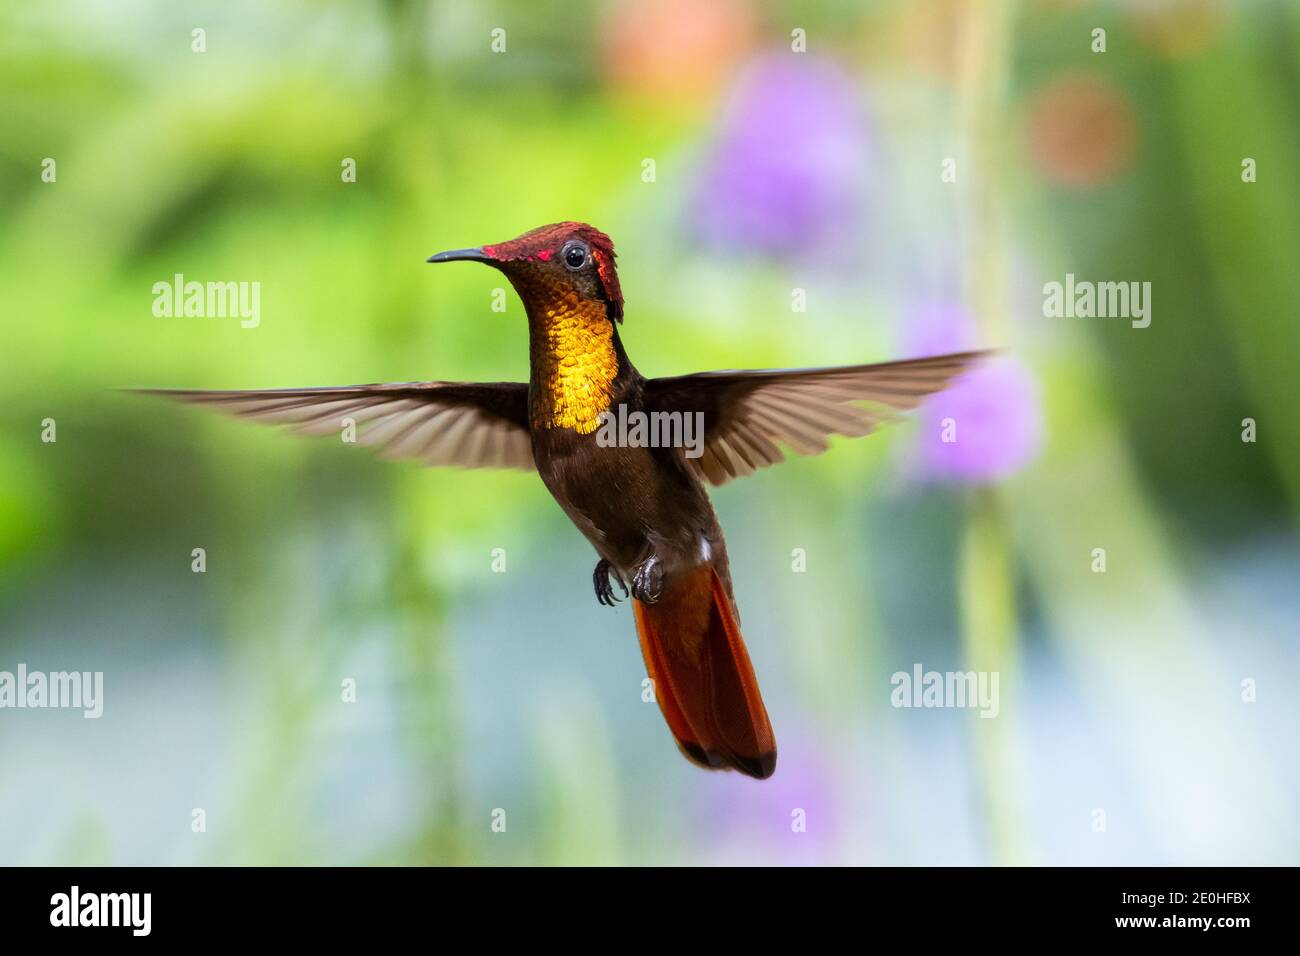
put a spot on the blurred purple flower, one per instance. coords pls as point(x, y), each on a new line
point(788, 173)
point(789, 819)
point(993, 410)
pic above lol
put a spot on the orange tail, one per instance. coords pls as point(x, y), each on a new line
point(702, 676)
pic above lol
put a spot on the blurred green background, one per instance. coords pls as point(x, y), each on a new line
point(793, 146)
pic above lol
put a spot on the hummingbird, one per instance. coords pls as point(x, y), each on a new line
point(643, 506)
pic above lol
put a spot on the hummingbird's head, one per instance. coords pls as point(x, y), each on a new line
point(564, 258)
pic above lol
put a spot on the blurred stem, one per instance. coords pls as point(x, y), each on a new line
point(427, 692)
point(408, 31)
point(990, 644)
point(990, 635)
point(422, 642)
point(984, 77)
point(1228, 101)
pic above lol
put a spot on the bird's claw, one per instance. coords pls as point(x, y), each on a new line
point(604, 590)
point(648, 580)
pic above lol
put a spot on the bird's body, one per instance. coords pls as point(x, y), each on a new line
point(628, 501)
point(646, 514)
point(643, 507)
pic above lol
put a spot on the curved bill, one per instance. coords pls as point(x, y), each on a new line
point(460, 255)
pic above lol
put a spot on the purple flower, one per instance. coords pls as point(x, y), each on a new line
point(787, 174)
point(988, 423)
point(788, 819)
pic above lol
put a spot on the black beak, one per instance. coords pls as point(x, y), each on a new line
point(459, 255)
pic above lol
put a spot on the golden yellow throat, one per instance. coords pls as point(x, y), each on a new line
point(574, 362)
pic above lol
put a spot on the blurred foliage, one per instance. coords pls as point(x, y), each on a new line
point(226, 165)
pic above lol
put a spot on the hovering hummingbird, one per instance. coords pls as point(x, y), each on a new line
point(643, 508)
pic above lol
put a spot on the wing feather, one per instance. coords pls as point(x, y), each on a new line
point(748, 415)
point(462, 424)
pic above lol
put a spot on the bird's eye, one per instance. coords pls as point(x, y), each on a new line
point(575, 255)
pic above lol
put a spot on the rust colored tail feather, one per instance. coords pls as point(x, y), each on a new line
point(702, 676)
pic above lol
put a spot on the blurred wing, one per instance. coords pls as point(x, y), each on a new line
point(465, 425)
point(747, 414)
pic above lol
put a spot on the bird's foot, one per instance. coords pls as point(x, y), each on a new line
point(604, 590)
point(648, 580)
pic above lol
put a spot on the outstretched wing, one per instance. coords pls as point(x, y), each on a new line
point(747, 414)
point(462, 424)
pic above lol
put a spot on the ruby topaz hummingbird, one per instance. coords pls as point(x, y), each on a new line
point(643, 506)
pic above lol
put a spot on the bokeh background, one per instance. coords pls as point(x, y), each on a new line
point(1147, 713)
